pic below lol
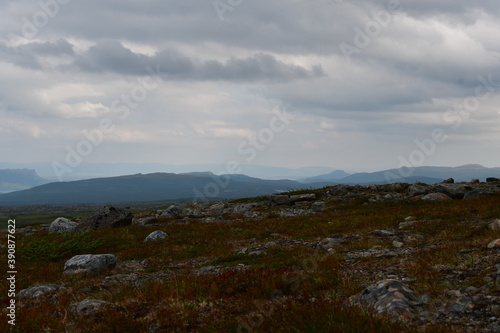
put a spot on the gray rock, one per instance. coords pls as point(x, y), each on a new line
point(318, 206)
point(144, 221)
point(89, 264)
point(436, 197)
point(303, 197)
point(280, 199)
point(156, 236)
point(416, 189)
point(472, 195)
point(495, 225)
point(492, 180)
point(107, 217)
point(29, 230)
point(328, 243)
point(243, 208)
point(172, 211)
point(384, 233)
point(62, 225)
point(37, 291)
point(449, 181)
point(90, 307)
point(494, 244)
point(256, 253)
point(455, 191)
point(389, 296)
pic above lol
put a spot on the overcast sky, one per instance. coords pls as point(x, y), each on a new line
point(346, 84)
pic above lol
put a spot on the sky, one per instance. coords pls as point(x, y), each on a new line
point(356, 85)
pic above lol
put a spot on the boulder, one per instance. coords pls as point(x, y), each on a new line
point(37, 291)
point(449, 181)
point(172, 211)
point(417, 189)
point(156, 236)
point(472, 195)
point(62, 225)
point(318, 206)
point(492, 180)
point(389, 296)
point(280, 199)
point(89, 264)
point(455, 191)
point(107, 217)
point(436, 197)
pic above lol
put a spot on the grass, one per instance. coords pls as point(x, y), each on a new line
point(296, 287)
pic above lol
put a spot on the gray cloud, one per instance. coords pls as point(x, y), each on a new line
point(363, 108)
point(110, 55)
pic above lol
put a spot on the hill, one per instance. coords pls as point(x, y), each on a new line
point(19, 179)
point(425, 174)
point(200, 186)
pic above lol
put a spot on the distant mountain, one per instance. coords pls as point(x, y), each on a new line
point(201, 186)
point(426, 174)
point(334, 176)
point(99, 170)
point(19, 179)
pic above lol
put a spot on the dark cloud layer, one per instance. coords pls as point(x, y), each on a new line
point(363, 78)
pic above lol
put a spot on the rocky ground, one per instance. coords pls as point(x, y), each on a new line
point(417, 257)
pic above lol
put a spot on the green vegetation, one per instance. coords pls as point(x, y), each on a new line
point(59, 247)
point(296, 286)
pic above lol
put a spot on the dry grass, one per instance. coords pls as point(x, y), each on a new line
point(290, 289)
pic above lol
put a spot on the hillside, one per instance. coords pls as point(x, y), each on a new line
point(378, 258)
point(425, 174)
point(19, 179)
point(200, 186)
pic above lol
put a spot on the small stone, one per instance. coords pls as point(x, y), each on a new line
point(397, 244)
point(156, 236)
point(436, 197)
point(270, 244)
point(256, 253)
point(495, 225)
point(90, 307)
point(495, 244)
point(303, 197)
point(328, 243)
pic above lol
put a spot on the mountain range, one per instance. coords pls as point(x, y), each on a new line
point(203, 186)
point(19, 179)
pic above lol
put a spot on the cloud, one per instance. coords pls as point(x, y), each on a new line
point(112, 56)
point(225, 78)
